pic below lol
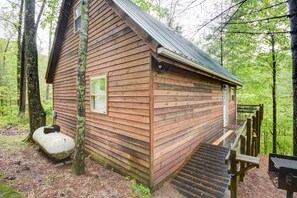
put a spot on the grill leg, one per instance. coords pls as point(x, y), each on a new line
point(289, 194)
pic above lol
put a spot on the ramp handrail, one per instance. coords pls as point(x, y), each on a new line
point(246, 146)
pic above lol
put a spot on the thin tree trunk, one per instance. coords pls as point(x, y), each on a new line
point(222, 56)
point(293, 22)
point(23, 82)
point(221, 39)
point(49, 52)
point(274, 121)
point(36, 112)
point(78, 166)
point(39, 15)
point(4, 58)
point(19, 52)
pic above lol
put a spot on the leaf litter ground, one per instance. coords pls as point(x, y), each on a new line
point(32, 174)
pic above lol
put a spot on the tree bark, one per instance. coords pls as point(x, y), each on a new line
point(23, 82)
point(4, 58)
point(36, 112)
point(49, 53)
point(293, 22)
point(40, 14)
point(78, 165)
point(19, 52)
point(274, 105)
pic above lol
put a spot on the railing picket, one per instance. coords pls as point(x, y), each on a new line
point(254, 144)
point(233, 170)
point(249, 135)
point(246, 143)
point(242, 151)
point(258, 132)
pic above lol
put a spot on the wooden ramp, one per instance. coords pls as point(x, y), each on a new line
point(204, 174)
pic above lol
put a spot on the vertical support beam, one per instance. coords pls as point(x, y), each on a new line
point(258, 132)
point(152, 126)
point(254, 131)
point(243, 152)
point(262, 112)
point(233, 170)
point(289, 194)
point(249, 136)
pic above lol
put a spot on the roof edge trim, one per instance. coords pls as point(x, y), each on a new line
point(169, 54)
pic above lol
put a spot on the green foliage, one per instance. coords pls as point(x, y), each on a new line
point(8, 89)
point(249, 57)
point(7, 191)
point(152, 8)
point(139, 190)
point(51, 15)
point(10, 117)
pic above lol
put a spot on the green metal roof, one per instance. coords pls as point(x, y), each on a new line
point(171, 40)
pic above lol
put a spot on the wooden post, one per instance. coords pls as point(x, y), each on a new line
point(233, 171)
point(249, 136)
point(243, 152)
point(254, 136)
point(289, 194)
point(262, 112)
point(258, 132)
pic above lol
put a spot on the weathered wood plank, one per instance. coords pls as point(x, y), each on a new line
point(122, 136)
point(188, 109)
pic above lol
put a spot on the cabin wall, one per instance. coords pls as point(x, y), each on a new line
point(188, 109)
point(122, 136)
point(232, 107)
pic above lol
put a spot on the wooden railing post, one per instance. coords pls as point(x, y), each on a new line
point(249, 136)
point(254, 132)
point(243, 152)
point(258, 133)
point(233, 171)
point(262, 112)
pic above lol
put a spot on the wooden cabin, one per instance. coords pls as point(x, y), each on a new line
point(152, 97)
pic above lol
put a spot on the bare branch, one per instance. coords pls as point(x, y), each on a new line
point(40, 14)
point(239, 32)
point(262, 9)
point(214, 18)
point(13, 3)
point(188, 7)
point(12, 23)
point(258, 20)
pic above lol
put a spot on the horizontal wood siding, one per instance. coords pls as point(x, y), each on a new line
point(122, 135)
point(232, 108)
point(188, 109)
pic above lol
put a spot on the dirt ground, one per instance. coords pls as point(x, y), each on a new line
point(31, 173)
point(258, 183)
point(34, 175)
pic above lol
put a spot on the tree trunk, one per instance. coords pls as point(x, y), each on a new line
point(221, 38)
point(40, 14)
point(273, 95)
point(78, 166)
point(293, 22)
point(23, 82)
point(49, 53)
point(19, 51)
point(36, 112)
point(4, 59)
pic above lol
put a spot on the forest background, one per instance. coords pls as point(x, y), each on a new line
point(249, 37)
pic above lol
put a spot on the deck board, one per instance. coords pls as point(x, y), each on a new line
point(200, 176)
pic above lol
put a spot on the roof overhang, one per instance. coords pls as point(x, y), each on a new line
point(57, 44)
point(177, 57)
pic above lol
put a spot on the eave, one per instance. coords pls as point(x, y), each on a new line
point(179, 58)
